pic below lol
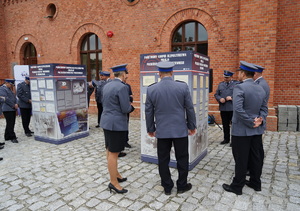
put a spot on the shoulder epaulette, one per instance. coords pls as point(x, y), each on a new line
point(179, 81)
point(152, 84)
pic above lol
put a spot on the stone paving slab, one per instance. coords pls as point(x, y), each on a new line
point(73, 176)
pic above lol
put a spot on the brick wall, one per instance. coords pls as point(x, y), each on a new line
point(3, 59)
point(287, 78)
point(237, 30)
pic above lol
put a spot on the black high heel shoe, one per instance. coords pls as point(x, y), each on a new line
point(122, 179)
point(111, 186)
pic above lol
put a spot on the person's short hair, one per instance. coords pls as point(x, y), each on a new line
point(248, 73)
point(119, 73)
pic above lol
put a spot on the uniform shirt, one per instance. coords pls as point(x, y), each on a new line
point(116, 106)
point(249, 102)
point(24, 95)
point(169, 109)
point(10, 99)
point(223, 91)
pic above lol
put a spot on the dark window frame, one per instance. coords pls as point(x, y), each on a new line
point(30, 55)
point(88, 52)
point(182, 46)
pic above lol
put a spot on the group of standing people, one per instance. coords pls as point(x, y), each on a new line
point(244, 104)
point(170, 117)
point(10, 104)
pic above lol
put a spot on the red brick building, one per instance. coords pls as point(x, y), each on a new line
point(265, 32)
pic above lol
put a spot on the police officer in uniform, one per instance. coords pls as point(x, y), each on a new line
point(250, 111)
point(24, 96)
point(170, 117)
point(116, 106)
point(104, 78)
point(9, 108)
point(258, 78)
point(224, 97)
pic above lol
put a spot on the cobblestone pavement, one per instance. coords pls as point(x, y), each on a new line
point(73, 176)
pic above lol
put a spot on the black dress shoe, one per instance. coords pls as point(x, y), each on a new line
point(112, 187)
point(2, 146)
point(122, 154)
point(228, 188)
point(14, 140)
point(122, 179)
point(127, 145)
point(97, 126)
point(1, 158)
point(28, 134)
point(31, 132)
point(250, 185)
point(168, 192)
point(187, 188)
point(224, 142)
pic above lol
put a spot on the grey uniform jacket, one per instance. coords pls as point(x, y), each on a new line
point(24, 95)
point(169, 109)
point(222, 92)
point(249, 101)
point(99, 90)
point(116, 105)
point(263, 83)
point(10, 99)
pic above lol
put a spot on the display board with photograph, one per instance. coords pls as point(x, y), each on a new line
point(59, 101)
point(193, 69)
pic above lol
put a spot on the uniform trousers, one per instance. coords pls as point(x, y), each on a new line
point(10, 117)
point(100, 110)
point(164, 146)
point(26, 116)
point(226, 120)
point(248, 153)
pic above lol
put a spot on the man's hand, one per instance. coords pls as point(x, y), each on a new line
point(192, 132)
point(228, 98)
point(257, 121)
point(222, 100)
point(16, 106)
point(151, 134)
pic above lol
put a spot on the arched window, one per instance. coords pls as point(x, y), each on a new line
point(190, 36)
point(91, 56)
point(29, 54)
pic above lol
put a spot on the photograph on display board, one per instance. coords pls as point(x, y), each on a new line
point(63, 85)
point(45, 125)
point(198, 141)
point(67, 121)
point(78, 87)
point(82, 118)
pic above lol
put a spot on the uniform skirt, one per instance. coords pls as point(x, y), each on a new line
point(115, 140)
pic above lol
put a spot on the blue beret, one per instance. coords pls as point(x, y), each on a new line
point(248, 66)
point(11, 81)
point(165, 66)
point(228, 73)
point(105, 73)
point(27, 78)
point(119, 68)
point(259, 68)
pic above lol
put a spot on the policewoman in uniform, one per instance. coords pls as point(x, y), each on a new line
point(249, 116)
point(9, 108)
point(116, 106)
point(170, 117)
point(24, 102)
point(224, 97)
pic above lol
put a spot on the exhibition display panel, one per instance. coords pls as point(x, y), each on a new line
point(192, 68)
point(59, 102)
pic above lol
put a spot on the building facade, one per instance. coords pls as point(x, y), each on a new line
point(102, 34)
